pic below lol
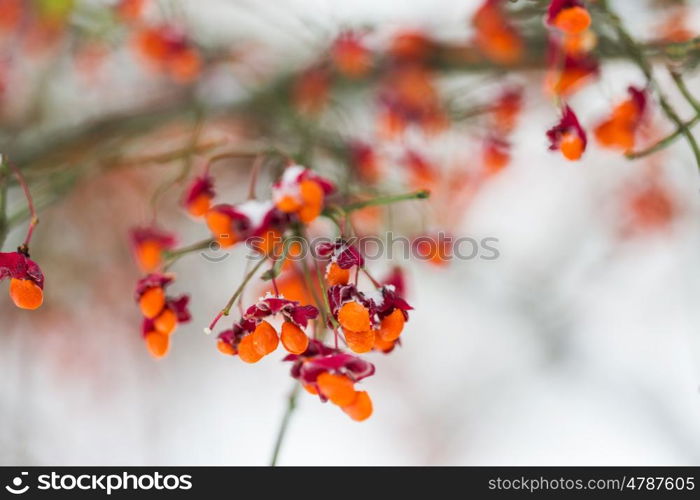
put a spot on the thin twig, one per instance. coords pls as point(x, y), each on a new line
point(637, 54)
point(172, 256)
point(227, 308)
point(680, 83)
point(24, 248)
point(385, 200)
point(284, 424)
point(663, 143)
point(254, 171)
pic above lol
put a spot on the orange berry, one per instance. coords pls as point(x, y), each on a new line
point(166, 322)
point(288, 204)
point(222, 229)
point(573, 20)
point(392, 326)
point(312, 200)
point(579, 43)
point(157, 344)
point(354, 316)
point(310, 389)
point(495, 159)
point(149, 255)
point(311, 192)
point(225, 348)
point(265, 339)
point(26, 294)
point(185, 66)
point(309, 213)
point(627, 112)
point(152, 302)
point(336, 275)
point(615, 133)
point(383, 345)
point(567, 81)
point(293, 338)
point(571, 146)
point(339, 389)
point(200, 205)
point(247, 351)
point(360, 342)
point(361, 408)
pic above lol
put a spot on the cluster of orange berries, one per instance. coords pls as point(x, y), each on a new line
point(619, 131)
point(252, 337)
point(168, 50)
point(570, 61)
point(26, 279)
point(165, 47)
point(407, 95)
point(299, 196)
point(331, 375)
point(161, 313)
point(495, 35)
point(368, 320)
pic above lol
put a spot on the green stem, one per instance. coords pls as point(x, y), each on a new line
point(171, 256)
point(284, 424)
point(663, 143)
point(637, 55)
point(276, 268)
point(386, 200)
point(683, 88)
point(227, 308)
point(309, 285)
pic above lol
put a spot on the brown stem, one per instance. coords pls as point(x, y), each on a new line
point(24, 248)
point(254, 171)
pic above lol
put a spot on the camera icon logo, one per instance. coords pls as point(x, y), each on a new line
point(16, 487)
